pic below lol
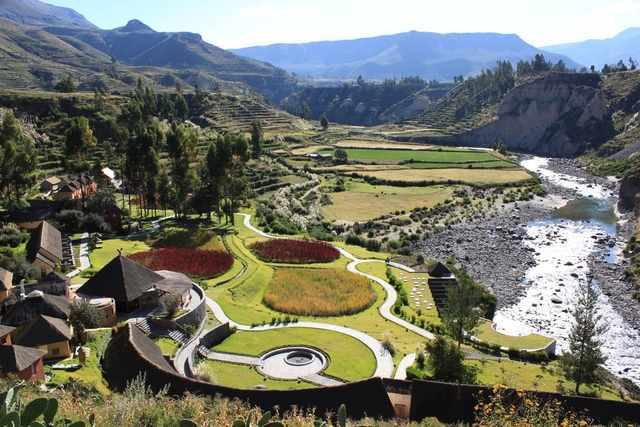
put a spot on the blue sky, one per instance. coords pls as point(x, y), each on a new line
point(242, 23)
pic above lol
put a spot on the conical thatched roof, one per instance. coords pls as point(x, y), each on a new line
point(121, 279)
point(34, 305)
point(15, 358)
point(43, 330)
point(60, 288)
point(438, 269)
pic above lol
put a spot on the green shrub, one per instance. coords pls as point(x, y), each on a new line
point(414, 373)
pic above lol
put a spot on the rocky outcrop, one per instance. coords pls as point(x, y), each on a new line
point(629, 188)
point(559, 115)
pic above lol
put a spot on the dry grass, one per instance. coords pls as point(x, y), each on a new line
point(318, 292)
point(365, 202)
point(476, 176)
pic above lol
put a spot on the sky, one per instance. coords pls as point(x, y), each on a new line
point(231, 24)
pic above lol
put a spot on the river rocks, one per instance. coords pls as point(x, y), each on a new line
point(495, 253)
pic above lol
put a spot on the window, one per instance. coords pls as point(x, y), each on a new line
point(55, 351)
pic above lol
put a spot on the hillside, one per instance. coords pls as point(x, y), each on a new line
point(367, 104)
point(40, 44)
point(37, 14)
point(427, 55)
point(551, 114)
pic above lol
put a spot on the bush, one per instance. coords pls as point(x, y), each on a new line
point(203, 371)
point(415, 373)
point(11, 236)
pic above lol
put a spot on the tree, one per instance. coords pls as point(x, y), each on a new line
point(83, 316)
point(65, 85)
point(78, 142)
point(341, 155)
point(199, 94)
point(501, 147)
point(18, 159)
point(235, 154)
point(324, 122)
point(182, 143)
point(256, 138)
point(584, 357)
point(141, 159)
point(305, 111)
point(459, 315)
point(539, 64)
point(446, 362)
point(171, 303)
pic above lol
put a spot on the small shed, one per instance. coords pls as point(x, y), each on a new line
point(50, 184)
point(24, 362)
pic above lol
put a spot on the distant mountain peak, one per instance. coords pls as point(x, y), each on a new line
point(135, 25)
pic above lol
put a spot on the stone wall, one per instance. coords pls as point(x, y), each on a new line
point(131, 353)
point(215, 336)
point(198, 314)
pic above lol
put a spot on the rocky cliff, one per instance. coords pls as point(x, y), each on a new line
point(559, 115)
point(630, 187)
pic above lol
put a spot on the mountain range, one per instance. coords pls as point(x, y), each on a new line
point(40, 44)
point(432, 56)
point(623, 46)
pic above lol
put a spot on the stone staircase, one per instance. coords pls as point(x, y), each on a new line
point(204, 352)
point(143, 325)
point(178, 336)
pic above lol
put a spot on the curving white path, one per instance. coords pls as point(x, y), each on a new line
point(384, 362)
point(383, 358)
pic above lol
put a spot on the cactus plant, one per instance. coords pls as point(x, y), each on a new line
point(13, 414)
point(262, 422)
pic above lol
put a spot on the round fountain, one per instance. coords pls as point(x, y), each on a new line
point(292, 362)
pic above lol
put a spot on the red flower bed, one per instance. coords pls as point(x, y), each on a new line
point(192, 262)
point(295, 251)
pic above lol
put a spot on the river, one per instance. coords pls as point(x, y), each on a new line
point(561, 245)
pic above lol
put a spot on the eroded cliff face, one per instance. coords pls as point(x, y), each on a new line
point(559, 115)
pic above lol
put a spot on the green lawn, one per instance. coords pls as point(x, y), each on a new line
point(244, 376)
point(351, 360)
point(167, 345)
point(485, 332)
point(91, 372)
point(528, 376)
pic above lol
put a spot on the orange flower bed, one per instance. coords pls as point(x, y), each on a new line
point(318, 292)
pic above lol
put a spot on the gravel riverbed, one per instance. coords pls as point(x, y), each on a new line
point(495, 252)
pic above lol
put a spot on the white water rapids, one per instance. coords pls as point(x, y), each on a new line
point(561, 248)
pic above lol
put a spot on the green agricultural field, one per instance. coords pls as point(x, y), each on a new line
point(444, 156)
point(351, 360)
point(485, 164)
